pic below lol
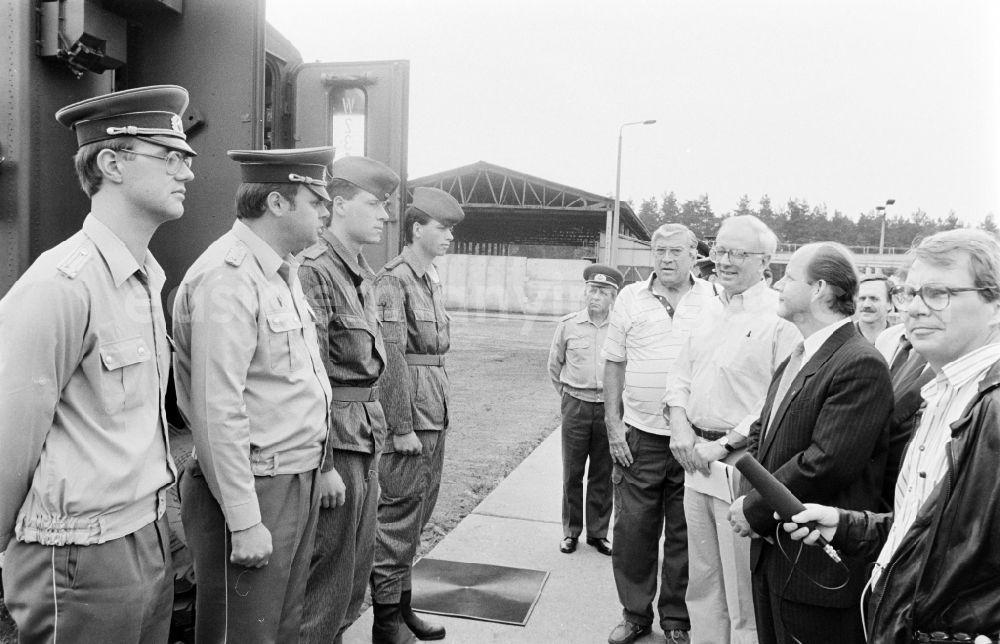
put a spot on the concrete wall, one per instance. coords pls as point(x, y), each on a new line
point(512, 284)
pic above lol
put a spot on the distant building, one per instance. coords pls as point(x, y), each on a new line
point(514, 214)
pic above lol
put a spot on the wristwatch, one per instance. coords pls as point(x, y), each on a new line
point(724, 441)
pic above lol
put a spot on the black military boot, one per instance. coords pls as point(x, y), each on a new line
point(388, 627)
point(423, 630)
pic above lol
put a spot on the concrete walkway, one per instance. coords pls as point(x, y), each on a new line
point(519, 525)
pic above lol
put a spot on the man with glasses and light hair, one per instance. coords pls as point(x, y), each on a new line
point(714, 394)
point(650, 322)
point(935, 578)
point(84, 363)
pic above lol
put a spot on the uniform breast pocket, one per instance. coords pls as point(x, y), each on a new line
point(283, 328)
point(579, 351)
point(121, 373)
point(426, 322)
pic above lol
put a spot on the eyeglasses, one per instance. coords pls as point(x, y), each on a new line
point(674, 251)
point(174, 159)
point(936, 297)
point(733, 255)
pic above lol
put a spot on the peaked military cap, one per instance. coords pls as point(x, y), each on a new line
point(305, 166)
point(368, 174)
point(438, 204)
point(151, 114)
point(603, 276)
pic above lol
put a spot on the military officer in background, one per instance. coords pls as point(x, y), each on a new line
point(414, 394)
point(576, 368)
point(251, 385)
point(340, 286)
point(84, 364)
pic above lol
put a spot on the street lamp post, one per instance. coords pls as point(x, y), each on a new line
point(613, 238)
point(882, 211)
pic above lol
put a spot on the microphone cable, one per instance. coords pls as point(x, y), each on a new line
point(795, 568)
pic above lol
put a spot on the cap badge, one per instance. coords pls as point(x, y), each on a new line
point(176, 124)
point(600, 277)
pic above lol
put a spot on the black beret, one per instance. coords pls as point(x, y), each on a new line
point(368, 174)
point(438, 204)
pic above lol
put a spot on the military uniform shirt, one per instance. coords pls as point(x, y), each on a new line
point(576, 365)
point(249, 377)
point(414, 322)
point(340, 288)
point(84, 363)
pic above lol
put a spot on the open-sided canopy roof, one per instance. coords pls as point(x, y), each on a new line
point(486, 186)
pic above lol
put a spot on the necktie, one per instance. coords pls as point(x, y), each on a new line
point(787, 376)
point(902, 353)
point(909, 372)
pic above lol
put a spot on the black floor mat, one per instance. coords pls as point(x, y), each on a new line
point(476, 591)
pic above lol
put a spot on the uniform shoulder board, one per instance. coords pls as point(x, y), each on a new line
point(393, 263)
point(236, 255)
point(315, 251)
point(567, 317)
point(74, 262)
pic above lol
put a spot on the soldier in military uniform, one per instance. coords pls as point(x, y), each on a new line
point(414, 393)
point(251, 385)
point(84, 365)
point(339, 284)
point(577, 372)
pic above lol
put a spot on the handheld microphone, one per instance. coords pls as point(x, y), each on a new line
point(779, 497)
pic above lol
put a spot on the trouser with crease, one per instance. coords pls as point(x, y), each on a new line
point(649, 502)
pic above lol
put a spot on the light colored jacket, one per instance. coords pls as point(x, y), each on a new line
point(84, 363)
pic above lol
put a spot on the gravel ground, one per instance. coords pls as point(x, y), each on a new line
point(502, 407)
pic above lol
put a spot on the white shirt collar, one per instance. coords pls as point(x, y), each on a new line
point(812, 344)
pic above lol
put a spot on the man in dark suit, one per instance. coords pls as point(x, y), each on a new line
point(823, 433)
point(910, 372)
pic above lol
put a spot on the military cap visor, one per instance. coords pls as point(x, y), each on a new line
point(151, 114)
point(304, 166)
point(368, 174)
point(438, 204)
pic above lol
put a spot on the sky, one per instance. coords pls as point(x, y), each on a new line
point(841, 103)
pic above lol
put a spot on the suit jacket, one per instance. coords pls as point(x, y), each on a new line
point(828, 445)
point(907, 382)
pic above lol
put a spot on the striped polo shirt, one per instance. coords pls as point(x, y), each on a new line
point(644, 334)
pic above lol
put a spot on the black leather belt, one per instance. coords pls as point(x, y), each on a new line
point(708, 434)
point(354, 394)
point(940, 637)
point(424, 360)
